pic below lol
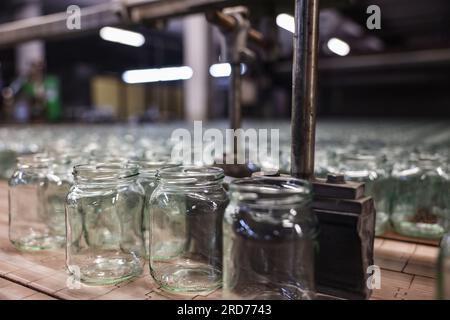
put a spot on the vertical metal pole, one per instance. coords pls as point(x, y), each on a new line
point(235, 96)
point(304, 81)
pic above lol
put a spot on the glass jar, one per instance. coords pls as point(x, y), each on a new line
point(59, 181)
point(421, 197)
point(186, 212)
point(367, 168)
point(7, 163)
point(104, 211)
point(270, 236)
point(443, 269)
point(147, 179)
point(31, 227)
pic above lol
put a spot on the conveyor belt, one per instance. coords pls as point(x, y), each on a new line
point(407, 273)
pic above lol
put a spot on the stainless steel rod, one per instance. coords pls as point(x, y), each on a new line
point(234, 103)
point(304, 82)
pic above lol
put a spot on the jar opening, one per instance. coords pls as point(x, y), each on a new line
point(151, 167)
point(363, 157)
point(262, 191)
point(419, 165)
point(271, 185)
point(105, 171)
point(34, 161)
point(190, 175)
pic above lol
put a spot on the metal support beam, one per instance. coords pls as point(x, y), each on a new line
point(235, 97)
point(108, 14)
point(304, 81)
point(141, 10)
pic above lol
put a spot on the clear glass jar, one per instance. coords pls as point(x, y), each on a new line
point(186, 212)
point(104, 212)
point(270, 236)
point(443, 269)
point(7, 163)
point(421, 197)
point(31, 227)
point(59, 181)
point(147, 179)
point(367, 168)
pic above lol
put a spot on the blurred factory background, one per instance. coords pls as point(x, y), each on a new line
point(401, 70)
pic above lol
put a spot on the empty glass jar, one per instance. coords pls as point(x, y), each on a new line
point(186, 212)
point(367, 168)
point(421, 197)
point(31, 225)
point(148, 180)
point(104, 212)
point(269, 240)
point(59, 181)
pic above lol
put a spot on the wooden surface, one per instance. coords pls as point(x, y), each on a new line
point(395, 236)
point(407, 273)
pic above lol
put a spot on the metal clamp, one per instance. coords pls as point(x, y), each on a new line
point(235, 26)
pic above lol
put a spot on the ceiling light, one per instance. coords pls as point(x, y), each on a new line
point(157, 75)
point(286, 21)
point(338, 46)
point(122, 36)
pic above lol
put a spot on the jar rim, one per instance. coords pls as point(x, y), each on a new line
point(152, 166)
point(190, 173)
point(34, 161)
point(105, 171)
point(272, 185)
point(359, 156)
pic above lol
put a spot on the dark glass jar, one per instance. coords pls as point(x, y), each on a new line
point(186, 212)
point(104, 212)
point(269, 240)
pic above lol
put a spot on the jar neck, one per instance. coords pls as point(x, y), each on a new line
point(104, 175)
point(103, 183)
point(35, 163)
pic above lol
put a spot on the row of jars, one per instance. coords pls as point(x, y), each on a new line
point(412, 196)
point(256, 240)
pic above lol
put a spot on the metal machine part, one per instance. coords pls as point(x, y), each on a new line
point(347, 230)
point(304, 82)
point(346, 217)
point(235, 26)
point(117, 12)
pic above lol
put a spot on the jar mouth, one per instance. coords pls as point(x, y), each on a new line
point(360, 174)
point(190, 174)
point(107, 159)
point(359, 157)
point(271, 192)
point(419, 164)
point(271, 186)
point(151, 167)
point(105, 171)
point(425, 157)
point(34, 161)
